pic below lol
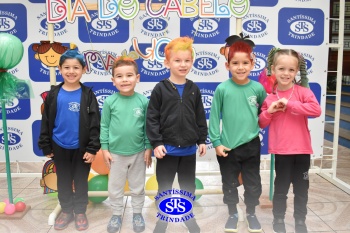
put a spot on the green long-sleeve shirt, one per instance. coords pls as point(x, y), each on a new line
point(238, 106)
point(123, 124)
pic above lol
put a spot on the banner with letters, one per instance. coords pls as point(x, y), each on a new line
point(103, 30)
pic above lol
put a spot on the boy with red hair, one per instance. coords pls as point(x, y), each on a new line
point(237, 101)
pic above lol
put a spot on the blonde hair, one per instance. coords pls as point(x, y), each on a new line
point(179, 44)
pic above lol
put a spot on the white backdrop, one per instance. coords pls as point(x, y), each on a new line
point(298, 24)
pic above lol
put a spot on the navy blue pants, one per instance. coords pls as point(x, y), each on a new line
point(71, 169)
point(243, 159)
point(291, 169)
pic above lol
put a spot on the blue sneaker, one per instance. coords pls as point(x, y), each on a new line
point(253, 223)
point(115, 223)
point(232, 223)
point(138, 223)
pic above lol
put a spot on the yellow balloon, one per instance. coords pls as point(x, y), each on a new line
point(2, 207)
point(152, 184)
point(90, 176)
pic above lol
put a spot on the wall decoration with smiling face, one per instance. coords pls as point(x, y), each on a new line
point(49, 53)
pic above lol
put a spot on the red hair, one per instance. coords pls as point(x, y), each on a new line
point(241, 47)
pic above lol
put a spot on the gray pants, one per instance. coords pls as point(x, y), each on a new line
point(133, 169)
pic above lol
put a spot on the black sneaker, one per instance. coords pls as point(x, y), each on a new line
point(192, 226)
point(138, 223)
point(300, 226)
point(278, 225)
point(232, 223)
point(253, 223)
point(114, 224)
point(160, 227)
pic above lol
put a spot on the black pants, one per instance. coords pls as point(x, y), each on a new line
point(245, 159)
point(291, 169)
point(184, 166)
point(71, 169)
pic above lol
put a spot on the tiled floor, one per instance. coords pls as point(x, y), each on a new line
point(328, 206)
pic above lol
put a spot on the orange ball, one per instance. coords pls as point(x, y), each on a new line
point(98, 165)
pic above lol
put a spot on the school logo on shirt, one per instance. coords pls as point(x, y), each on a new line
point(252, 100)
point(154, 27)
point(206, 64)
point(14, 137)
point(255, 25)
point(205, 30)
point(138, 112)
point(74, 106)
point(300, 26)
point(13, 20)
point(59, 28)
point(115, 30)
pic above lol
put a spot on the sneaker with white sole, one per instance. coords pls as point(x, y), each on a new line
point(232, 223)
point(253, 223)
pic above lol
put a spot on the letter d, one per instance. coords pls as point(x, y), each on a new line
point(56, 11)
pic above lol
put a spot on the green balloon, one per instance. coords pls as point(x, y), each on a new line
point(98, 183)
point(11, 51)
point(199, 185)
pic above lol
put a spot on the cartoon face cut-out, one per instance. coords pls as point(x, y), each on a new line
point(49, 53)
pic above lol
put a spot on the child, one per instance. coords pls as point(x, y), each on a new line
point(237, 101)
point(176, 123)
point(287, 111)
point(70, 130)
point(125, 147)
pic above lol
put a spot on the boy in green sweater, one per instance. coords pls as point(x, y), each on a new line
point(125, 146)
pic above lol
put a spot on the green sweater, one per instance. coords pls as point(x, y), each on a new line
point(123, 124)
point(239, 107)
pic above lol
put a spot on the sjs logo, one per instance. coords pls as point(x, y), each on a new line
point(309, 60)
point(13, 137)
point(147, 93)
point(155, 24)
point(103, 31)
point(301, 26)
point(175, 206)
point(206, 64)
point(98, 66)
point(207, 99)
point(101, 95)
point(260, 64)
point(255, 25)
point(59, 28)
point(205, 30)
point(12, 19)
